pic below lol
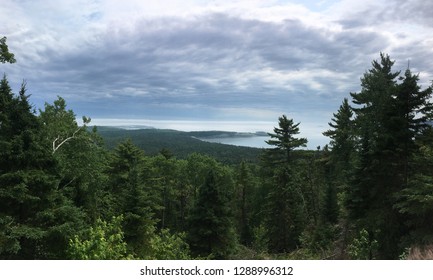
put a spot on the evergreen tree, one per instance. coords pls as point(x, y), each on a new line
point(5, 55)
point(211, 231)
point(285, 200)
point(389, 118)
point(370, 199)
point(36, 218)
point(286, 214)
point(284, 142)
point(245, 194)
point(130, 197)
point(415, 147)
point(414, 109)
point(342, 139)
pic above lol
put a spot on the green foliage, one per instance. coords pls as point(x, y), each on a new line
point(59, 186)
point(130, 197)
point(167, 246)
point(319, 240)
point(363, 247)
point(5, 55)
point(211, 230)
point(79, 156)
point(180, 144)
point(260, 239)
point(286, 212)
point(37, 217)
point(386, 127)
point(103, 241)
point(284, 141)
point(245, 191)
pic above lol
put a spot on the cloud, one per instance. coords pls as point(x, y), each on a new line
point(250, 60)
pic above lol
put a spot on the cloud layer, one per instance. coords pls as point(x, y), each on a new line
point(210, 60)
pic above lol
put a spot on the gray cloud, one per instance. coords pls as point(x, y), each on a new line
point(210, 63)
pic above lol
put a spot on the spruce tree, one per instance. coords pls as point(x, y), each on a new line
point(389, 118)
point(342, 138)
point(211, 231)
point(130, 198)
point(415, 162)
point(36, 218)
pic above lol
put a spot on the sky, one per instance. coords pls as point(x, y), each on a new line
point(210, 65)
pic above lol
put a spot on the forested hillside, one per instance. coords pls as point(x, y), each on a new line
point(179, 144)
point(367, 195)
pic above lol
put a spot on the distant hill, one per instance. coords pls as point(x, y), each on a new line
point(180, 143)
point(223, 134)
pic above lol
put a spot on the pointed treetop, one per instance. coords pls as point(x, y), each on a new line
point(5, 55)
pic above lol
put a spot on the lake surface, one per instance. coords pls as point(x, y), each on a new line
point(254, 141)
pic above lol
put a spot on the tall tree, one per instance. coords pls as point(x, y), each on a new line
point(131, 198)
point(389, 116)
point(245, 193)
point(38, 219)
point(79, 156)
point(286, 211)
point(284, 141)
point(285, 200)
point(413, 110)
point(211, 230)
point(342, 138)
point(415, 149)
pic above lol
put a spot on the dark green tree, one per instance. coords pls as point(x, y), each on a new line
point(245, 193)
point(80, 157)
point(284, 141)
point(342, 142)
point(211, 231)
point(338, 166)
point(286, 211)
point(415, 149)
point(285, 203)
point(37, 219)
point(389, 118)
point(131, 198)
point(5, 55)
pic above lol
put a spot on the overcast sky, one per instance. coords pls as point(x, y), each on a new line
point(238, 64)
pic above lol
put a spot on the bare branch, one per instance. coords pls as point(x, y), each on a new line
point(55, 148)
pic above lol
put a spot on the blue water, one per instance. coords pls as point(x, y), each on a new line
point(259, 141)
point(254, 141)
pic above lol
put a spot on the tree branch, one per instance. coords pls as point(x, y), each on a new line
point(55, 148)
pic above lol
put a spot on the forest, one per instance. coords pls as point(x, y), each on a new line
point(366, 195)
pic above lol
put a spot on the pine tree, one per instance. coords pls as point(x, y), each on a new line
point(284, 142)
point(370, 199)
point(211, 231)
point(415, 161)
point(286, 210)
point(389, 118)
